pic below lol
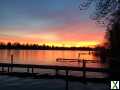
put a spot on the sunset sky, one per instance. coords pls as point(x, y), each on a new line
point(51, 22)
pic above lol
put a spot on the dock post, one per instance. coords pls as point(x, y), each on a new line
point(11, 62)
point(27, 69)
point(89, 52)
point(66, 84)
point(66, 80)
point(32, 70)
point(56, 72)
point(66, 73)
point(2, 68)
point(84, 71)
point(8, 69)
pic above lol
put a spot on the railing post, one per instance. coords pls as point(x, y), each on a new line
point(66, 73)
point(67, 84)
point(12, 59)
point(8, 69)
point(11, 62)
point(66, 78)
point(84, 67)
point(28, 69)
point(32, 70)
point(57, 72)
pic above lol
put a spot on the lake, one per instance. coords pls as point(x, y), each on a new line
point(48, 57)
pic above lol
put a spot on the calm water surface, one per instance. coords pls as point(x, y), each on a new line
point(47, 57)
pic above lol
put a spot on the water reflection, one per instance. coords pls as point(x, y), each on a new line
point(47, 57)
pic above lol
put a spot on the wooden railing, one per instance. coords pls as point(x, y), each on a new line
point(30, 68)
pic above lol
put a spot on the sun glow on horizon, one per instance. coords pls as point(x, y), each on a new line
point(63, 43)
point(72, 43)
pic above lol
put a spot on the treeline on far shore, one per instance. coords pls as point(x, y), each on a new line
point(39, 47)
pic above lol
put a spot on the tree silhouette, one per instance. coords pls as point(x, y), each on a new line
point(17, 45)
point(107, 12)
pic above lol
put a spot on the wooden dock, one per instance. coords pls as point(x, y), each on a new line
point(76, 60)
point(30, 69)
point(55, 67)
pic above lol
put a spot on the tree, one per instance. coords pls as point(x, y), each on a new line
point(107, 12)
point(104, 9)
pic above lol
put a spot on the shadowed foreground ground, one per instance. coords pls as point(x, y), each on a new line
point(16, 83)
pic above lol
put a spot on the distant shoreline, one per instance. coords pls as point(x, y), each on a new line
point(51, 49)
point(18, 46)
